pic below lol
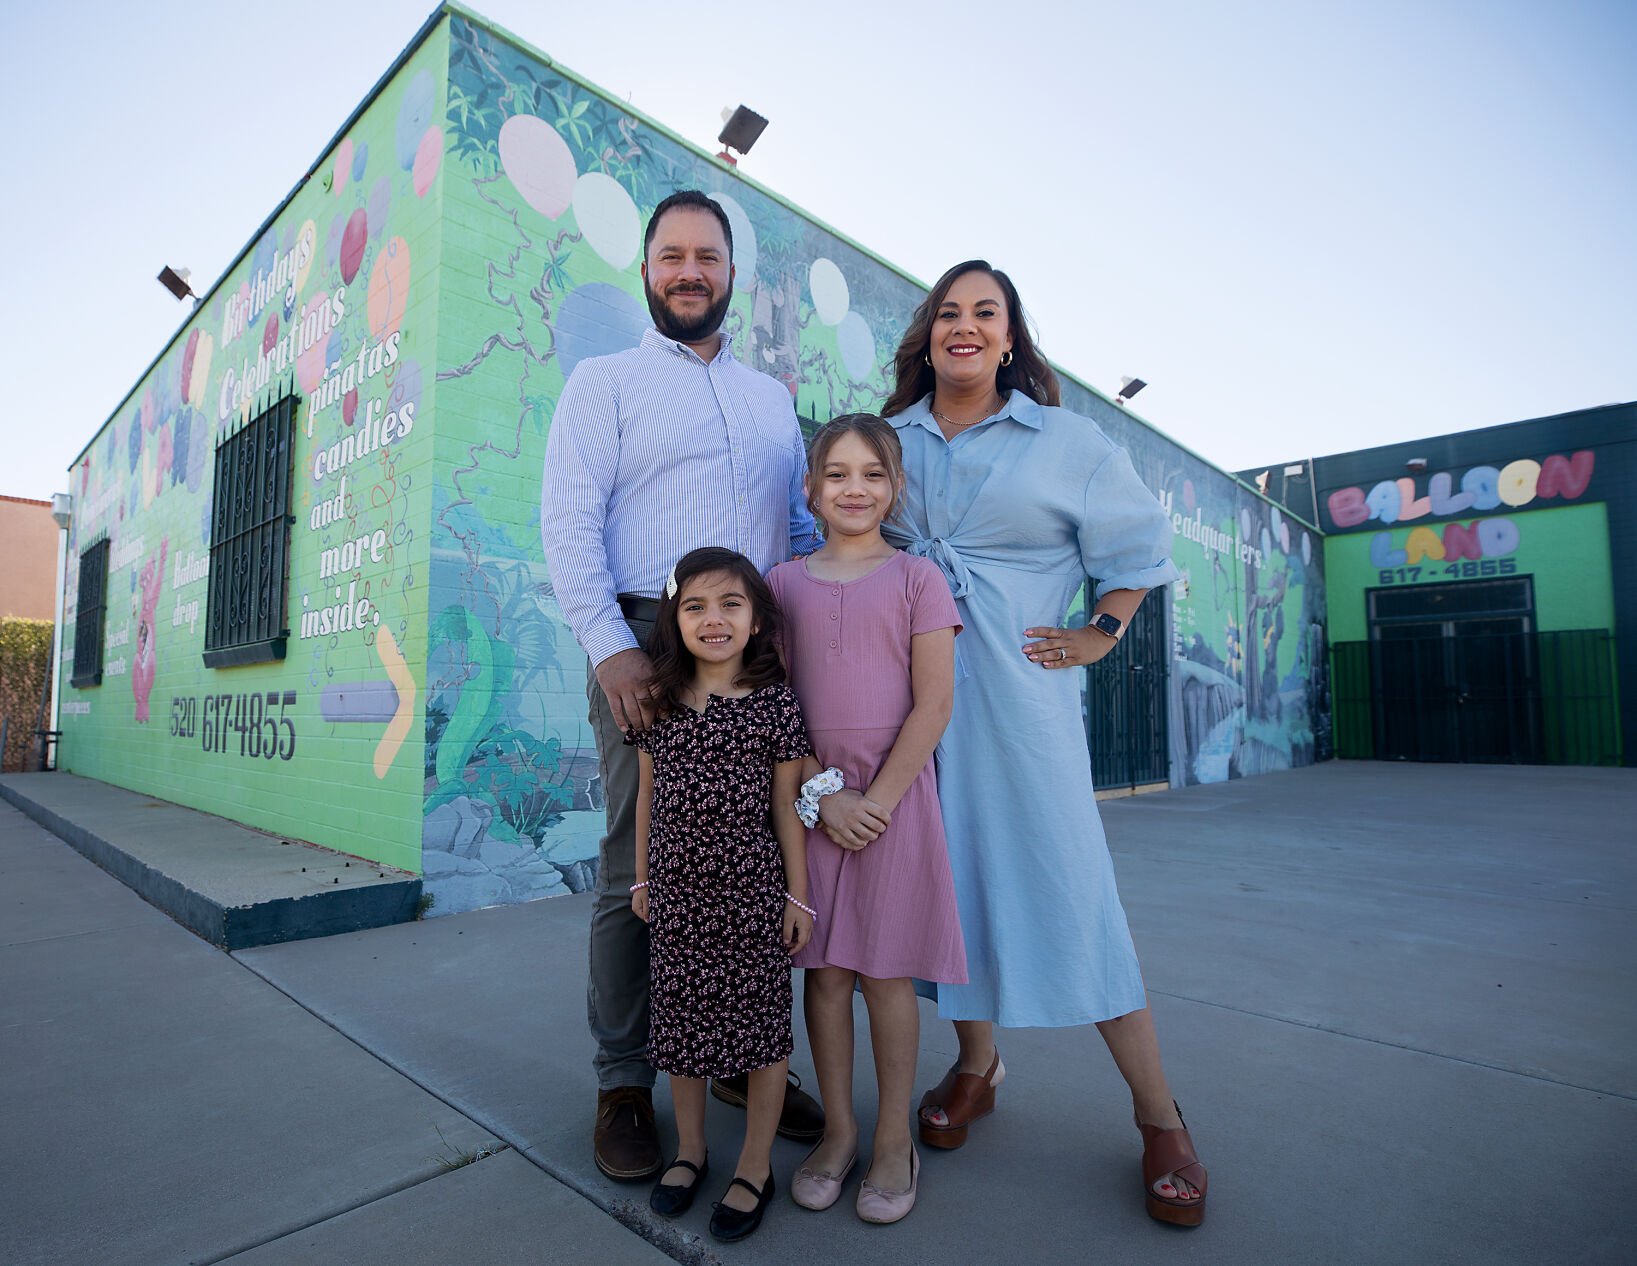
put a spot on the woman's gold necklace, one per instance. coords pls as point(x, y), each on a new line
point(949, 421)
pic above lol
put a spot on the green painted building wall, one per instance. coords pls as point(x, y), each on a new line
point(1565, 550)
point(1540, 676)
point(336, 297)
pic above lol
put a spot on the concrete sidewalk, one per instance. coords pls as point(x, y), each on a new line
point(233, 885)
point(1395, 1002)
point(164, 1104)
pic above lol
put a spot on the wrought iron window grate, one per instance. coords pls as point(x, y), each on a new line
point(90, 608)
point(246, 609)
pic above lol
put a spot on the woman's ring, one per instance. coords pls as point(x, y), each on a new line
point(1062, 653)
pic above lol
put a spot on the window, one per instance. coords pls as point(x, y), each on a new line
point(89, 610)
point(245, 612)
point(1454, 600)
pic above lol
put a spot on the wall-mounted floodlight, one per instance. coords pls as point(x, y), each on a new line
point(1128, 388)
point(1417, 464)
point(62, 509)
point(176, 281)
point(741, 129)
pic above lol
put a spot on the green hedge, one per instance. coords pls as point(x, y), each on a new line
point(25, 659)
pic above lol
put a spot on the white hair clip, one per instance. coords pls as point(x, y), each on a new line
point(670, 584)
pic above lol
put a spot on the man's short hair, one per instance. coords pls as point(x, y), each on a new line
point(688, 198)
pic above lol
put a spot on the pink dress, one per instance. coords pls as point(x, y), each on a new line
point(888, 910)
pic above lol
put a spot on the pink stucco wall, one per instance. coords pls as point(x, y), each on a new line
point(28, 558)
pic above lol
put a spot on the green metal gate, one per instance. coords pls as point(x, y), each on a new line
point(1125, 695)
point(1478, 696)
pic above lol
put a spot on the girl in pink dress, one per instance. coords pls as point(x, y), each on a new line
point(870, 641)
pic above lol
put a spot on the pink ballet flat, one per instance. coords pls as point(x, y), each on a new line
point(885, 1207)
point(816, 1190)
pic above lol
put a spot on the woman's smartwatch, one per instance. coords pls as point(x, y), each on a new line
point(1108, 625)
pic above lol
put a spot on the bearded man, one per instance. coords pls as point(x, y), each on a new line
point(653, 452)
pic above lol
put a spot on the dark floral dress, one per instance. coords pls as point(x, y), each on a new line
point(719, 974)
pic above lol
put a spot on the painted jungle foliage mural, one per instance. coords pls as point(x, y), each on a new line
point(550, 185)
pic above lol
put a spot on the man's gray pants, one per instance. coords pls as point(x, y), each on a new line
point(617, 988)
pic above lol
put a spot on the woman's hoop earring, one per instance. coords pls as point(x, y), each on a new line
point(927, 357)
point(1006, 358)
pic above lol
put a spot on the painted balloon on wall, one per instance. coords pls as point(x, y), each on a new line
point(181, 437)
point(595, 320)
point(744, 241)
point(380, 202)
point(162, 462)
point(133, 441)
point(353, 238)
point(608, 218)
point(189, 353)
point(428, 158)
point(310, 363)
point(857, 343)
point(414, 116)
point(261, 259)
point(342, 168)
point(829, 290)
point(538, 163)
point(389, 288)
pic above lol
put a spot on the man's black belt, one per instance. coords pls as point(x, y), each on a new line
point(636, 607)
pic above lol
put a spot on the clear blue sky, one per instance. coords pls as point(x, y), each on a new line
point(1310, 226)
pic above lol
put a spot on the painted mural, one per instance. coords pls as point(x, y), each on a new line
point(1250, 666)
point(472, 235)
point(1249, 670)
point(331, 303)
point(550, 185)
point(550, 188)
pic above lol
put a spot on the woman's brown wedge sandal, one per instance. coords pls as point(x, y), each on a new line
point(1171, 1152)
point(963, 1098)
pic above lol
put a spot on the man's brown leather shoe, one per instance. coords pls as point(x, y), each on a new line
point(626, 1144)
point(802, 1118)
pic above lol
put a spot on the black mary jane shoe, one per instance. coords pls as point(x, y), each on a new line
point(673, 1202)
point(729, 1224)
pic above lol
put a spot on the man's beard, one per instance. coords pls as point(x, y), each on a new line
point(695, 331)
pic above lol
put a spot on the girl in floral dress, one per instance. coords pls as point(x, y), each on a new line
point(721, 868)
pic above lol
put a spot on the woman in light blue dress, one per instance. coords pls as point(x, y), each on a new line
point(1018, 501)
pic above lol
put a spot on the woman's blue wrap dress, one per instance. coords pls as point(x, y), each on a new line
point(1017, 511)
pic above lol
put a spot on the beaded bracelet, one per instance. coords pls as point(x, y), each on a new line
point(805, 909)
point(643, 884)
